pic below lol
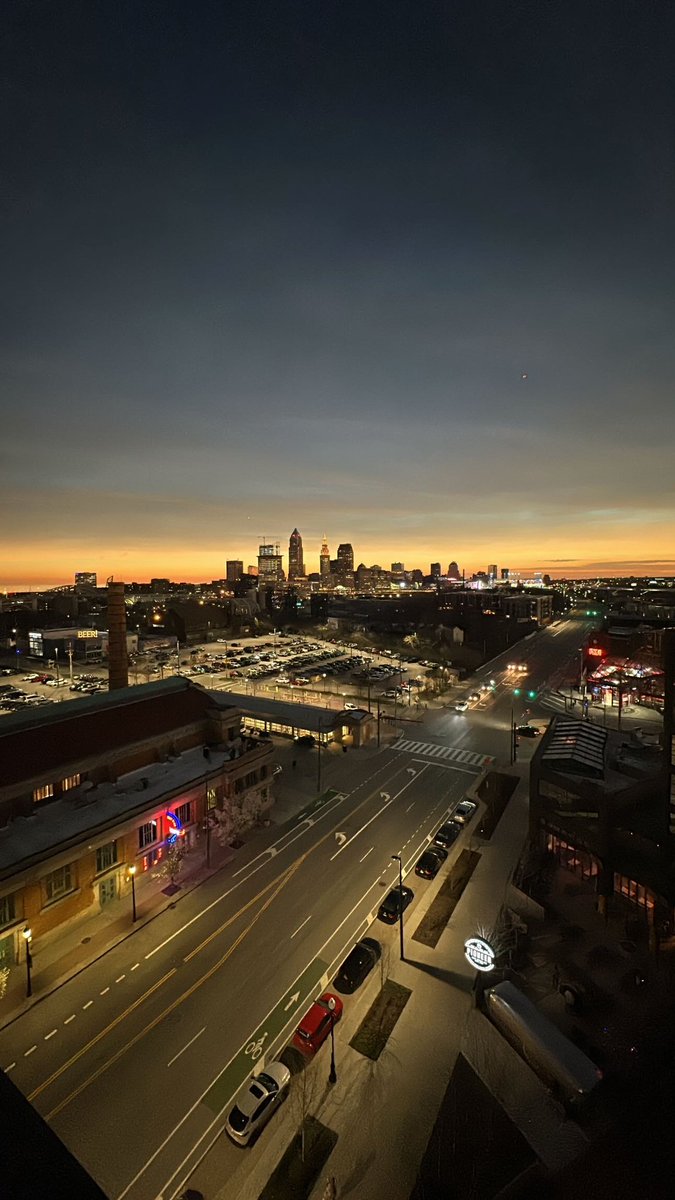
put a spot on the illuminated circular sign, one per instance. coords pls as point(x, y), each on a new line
point(480, 954)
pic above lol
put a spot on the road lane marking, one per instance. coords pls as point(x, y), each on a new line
point(27, 1052)
point(377, 814)
point(366, 854)
point(161, 1016)
point(120, 979)
point(410, 806)
point(301, 926)
point(10, 1068)
point(50, 1035)
point(88, 1004)
point(134, 966)
point(69, 1019)
point(104, 991)
point(98, 1036)
point(185, 1047)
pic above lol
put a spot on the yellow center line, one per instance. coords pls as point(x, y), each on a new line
point(279, 880)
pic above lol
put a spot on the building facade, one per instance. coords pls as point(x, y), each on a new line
point(97, 789)
point(296, 562)
point(345, 565)
point(270, 564)
point(234, 569)
point(324, 560)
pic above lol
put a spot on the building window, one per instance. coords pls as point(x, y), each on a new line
point(7, 911)
point(106, 856)
point(147, 834)
point(58, 883)
point(43, 793)
point(637, 893)
point(71, 781)
point(211, 798)
point(150, 859)
point(184, 813)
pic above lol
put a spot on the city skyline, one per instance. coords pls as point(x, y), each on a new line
point(421, 291)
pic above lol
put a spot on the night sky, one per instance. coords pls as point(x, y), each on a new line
point(272, 264)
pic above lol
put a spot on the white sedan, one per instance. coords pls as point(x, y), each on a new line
point(255, 1103)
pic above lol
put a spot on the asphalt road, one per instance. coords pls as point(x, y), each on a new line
point(133, 1061)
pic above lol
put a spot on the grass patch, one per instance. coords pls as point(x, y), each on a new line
point(441, 909)
point(294, 1179)
point(373, 1033)
point(495, 791)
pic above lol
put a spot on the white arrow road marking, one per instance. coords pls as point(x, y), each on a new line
point(293, 1000)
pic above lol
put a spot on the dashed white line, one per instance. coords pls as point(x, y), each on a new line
point(50, 1035)
point(410, 806)
point(27, 1052)
point(366, 854)
point(104, 991)
point(120, 979)
point(69, 1019)
point(135, 966)
point(301, 926)
point(88, 1004)
point(10, 1067)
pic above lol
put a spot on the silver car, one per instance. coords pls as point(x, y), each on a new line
point(255, 1103)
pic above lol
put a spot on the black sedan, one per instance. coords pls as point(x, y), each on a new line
point(358, 963)
point(530, 731)
point(394, 904)
point(447, 834)
point(430, 863)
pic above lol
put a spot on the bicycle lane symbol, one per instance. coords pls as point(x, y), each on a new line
point(255, 1048)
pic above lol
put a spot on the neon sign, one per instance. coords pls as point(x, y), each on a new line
point(596, 651)
point(175, 828)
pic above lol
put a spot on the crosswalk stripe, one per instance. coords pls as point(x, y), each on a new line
point(449, 753)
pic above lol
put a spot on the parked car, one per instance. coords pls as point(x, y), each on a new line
point(305, 739)
point(315, 1025)
point(394, 904)
point(447, 834)
point(429, 864)
point(464, 811)
point(531, 731)
point(255, 1103)
point(357, 965)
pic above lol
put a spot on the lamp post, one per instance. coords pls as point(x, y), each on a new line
point(332, 1075)
point(28, 937)
point(397, 858)
point(318, 764)
point(132, 876)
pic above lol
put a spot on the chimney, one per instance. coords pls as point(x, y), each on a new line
point(118, 663)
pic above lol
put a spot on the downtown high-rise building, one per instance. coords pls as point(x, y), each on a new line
point(345, 565)
point(270, 564)
point(296, 562)
point(492, 570)
point(435, 571)
point(234, 569)
point(324, 559)
point(85, 579)
point(454, 571)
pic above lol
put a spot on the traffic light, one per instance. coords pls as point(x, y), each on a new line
point(532, 695)
point(516, 691)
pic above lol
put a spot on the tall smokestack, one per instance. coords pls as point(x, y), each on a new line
point(118, 663)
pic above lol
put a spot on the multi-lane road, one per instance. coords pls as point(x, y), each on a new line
point(134, 1060)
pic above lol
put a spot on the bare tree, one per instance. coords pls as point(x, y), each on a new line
point(304, 1094)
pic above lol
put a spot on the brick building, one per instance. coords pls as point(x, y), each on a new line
point(91, 788)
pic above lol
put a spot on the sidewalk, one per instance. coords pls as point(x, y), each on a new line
point(88, 938)
point(384, 1111)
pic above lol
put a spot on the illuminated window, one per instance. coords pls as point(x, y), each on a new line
point(151, 858)
point(147, 834)
point(211, 798)
point(106, 856)
point(43, 793)
point(71, 781)
point(58, 883)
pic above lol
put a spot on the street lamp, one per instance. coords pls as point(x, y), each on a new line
point(28, 937)
point(332, 1075)
point(132, 876)
point(397, 858)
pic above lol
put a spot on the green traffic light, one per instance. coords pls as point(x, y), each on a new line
point(516, 691)
point(531, 695)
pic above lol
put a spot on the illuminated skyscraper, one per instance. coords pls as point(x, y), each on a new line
point(454, 571)
point(296, 562)
point(270, 567)
point(345, 564)
point(324, 558)
point(435, 570)
point(234, 569)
